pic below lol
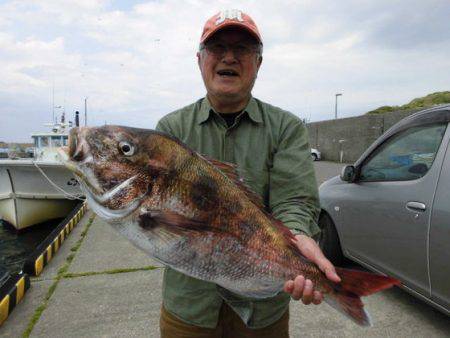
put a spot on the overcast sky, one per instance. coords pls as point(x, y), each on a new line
point(135, 60)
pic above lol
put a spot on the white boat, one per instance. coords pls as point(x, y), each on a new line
point(38, 189)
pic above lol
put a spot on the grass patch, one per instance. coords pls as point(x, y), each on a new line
point(108, 272)
point(38, 312)
point(427, 101)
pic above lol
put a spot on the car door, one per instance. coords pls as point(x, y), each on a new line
point(440, 238)
point(387, 210)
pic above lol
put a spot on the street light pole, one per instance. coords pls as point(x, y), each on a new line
point(335, 105)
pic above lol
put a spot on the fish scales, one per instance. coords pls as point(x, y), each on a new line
point(197, 216)
point(203, 199)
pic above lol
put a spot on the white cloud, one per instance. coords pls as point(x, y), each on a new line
point(137, 63)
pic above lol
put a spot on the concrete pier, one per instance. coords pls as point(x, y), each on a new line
point(99, 285)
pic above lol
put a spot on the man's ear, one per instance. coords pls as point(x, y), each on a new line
point(198, 59)
point(260, 58)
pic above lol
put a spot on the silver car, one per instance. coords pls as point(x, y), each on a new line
point(390, 211)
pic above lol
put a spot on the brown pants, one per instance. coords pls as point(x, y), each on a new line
point(229, 326)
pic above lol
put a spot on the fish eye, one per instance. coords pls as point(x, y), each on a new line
point(126, 148)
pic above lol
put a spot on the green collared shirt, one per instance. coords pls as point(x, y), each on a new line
point(270, 147)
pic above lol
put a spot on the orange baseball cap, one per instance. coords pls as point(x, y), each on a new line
point(230, 18)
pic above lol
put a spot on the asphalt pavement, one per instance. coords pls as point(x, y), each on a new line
point(100, 285)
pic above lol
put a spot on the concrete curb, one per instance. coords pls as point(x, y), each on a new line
point(11, 293)
point(47, 249)
point(13, 290)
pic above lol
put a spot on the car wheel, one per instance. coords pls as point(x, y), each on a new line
point(314, 157)
point(329, 240)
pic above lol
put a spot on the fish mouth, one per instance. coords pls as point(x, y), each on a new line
point(75, 167)
point(107, 213)
point(76, 158)
point(100, 202)
point(110, 194)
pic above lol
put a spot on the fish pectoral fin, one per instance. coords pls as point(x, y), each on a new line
point(173, 220)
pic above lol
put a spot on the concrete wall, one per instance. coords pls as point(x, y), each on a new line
point(350, 137)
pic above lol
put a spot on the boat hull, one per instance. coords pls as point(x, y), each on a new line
point(27, 197)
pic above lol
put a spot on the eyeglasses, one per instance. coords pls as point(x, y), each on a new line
point(240, 50)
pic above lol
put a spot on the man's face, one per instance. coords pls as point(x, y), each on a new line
point(229, 77)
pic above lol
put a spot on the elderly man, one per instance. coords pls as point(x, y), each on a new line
point(270, 147)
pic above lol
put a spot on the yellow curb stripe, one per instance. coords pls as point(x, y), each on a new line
point(39, 265)
point(20, 285)
point(4, 309)
point(12, 294)
point(51, 250)
point(56, 244)
point(49, 253)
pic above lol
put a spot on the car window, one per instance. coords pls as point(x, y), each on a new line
point(405, 156)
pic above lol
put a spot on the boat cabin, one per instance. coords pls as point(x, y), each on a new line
point(41, 141)
point(46, 145)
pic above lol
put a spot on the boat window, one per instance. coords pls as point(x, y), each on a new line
point(36, 142)
point(56, 141)
point(44, 142)
point(65, 140)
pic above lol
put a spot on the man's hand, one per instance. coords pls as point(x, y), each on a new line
point(299, 288)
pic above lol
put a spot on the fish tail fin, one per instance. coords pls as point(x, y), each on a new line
point(350, 305)
point(345, 296)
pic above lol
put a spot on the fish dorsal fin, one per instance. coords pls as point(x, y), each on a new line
point(287, 233)
point(231, 171)
point(227, 168)
point(289, 237)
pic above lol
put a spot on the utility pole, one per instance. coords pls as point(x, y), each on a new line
point(85, 111)
point(335, 105)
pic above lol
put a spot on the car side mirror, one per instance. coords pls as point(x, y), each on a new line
point(348, 173)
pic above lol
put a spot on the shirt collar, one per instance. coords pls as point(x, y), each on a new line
point(252, 110)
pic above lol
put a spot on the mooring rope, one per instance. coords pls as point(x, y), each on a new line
point(67, 195)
